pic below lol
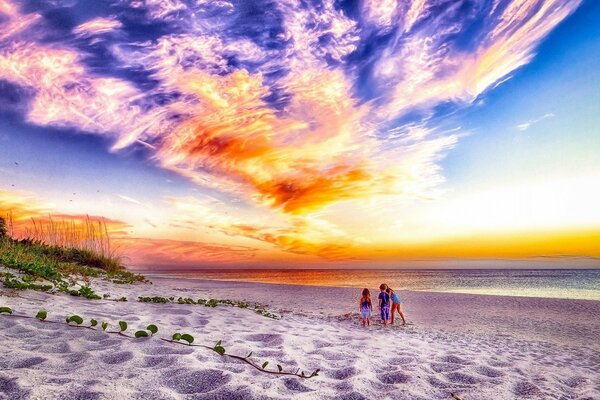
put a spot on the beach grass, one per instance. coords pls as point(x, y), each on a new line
point(58, 253)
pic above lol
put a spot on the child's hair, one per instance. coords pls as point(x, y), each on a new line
point(383, 286)
point(366, 293)
point(389, 289)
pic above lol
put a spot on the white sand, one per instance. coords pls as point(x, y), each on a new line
point(479, 347)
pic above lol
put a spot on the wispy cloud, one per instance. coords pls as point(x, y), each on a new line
point(129, 199)
point(526, 125)
point(293, 109)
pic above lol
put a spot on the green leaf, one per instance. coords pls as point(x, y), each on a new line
point(75, 318)
point(279, 368)
point(6, 310)
point(141, 334)
point(93, 322)
point(123, 325)
point(265, 364)
point(152, 328)
point(104, 326)
point(41, 315)
point(187, 338)
point(177, 336)
point(249, 355)
point(219, 349)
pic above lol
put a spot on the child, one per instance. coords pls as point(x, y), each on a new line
point(384, 304)
point(365, 306)
point(395, 305)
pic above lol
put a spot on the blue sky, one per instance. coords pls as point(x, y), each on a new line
point(319, 132)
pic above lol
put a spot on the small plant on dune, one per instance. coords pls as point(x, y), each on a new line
point(188, 338)
point(152, 328)
point(5, 310)
point(74, 318)
point(183, 336)
point(93, 323)
point(155, 299)
point(104, 326)
point(123, 326)
point(41, 315)
point(88, 293)
point(220, 349)
point(139, 334)
point(209, 303)
point(11, 282)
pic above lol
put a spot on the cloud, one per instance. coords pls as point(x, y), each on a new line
point(97, 26)
point(296, 112)
point(526, 125)
point(175, 253)
point(129, 199)
point(425, 67)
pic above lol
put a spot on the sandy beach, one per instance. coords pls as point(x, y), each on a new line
point(472, 346)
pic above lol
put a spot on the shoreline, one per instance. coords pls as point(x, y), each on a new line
point(201, 279)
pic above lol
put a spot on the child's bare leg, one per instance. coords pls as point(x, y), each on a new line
point(401, 314)
point(393, 311)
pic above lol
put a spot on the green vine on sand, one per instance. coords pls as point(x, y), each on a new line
point(210, 303)
point(185, 339)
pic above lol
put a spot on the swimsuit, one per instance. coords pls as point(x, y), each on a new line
point(395, 298)
point(365, 309)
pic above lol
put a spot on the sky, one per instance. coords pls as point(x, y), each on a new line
point(308, 134)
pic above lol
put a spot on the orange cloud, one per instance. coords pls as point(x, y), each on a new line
point(173, 253)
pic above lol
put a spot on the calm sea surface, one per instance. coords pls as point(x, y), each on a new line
point(570, 284)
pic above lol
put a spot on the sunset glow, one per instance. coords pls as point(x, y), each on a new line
point(378, 133)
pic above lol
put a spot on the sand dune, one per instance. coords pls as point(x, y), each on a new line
point(479, 354)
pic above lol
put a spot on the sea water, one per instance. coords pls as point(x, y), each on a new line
point(552, 283)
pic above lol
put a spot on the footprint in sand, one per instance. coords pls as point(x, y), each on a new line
point(526, 389)
point(117, 358)
point(461, 379)
point(452, 359)
point(26, 362)
point(437, 383)
point(160, 350)
point(11, 388)
point(404, 360)
point(55, 348)
point(186, 381)
point(342, 373)
point(489, 372)
point(268, 339)
point(392, 378)
point(295, 385)
point(80, 394)
point(229, 394)
point(158, 362)
point(445, 367)
point(576, 382)
point(178, 311)
point(351, 396)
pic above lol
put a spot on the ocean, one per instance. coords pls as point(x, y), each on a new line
point(550, 283)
